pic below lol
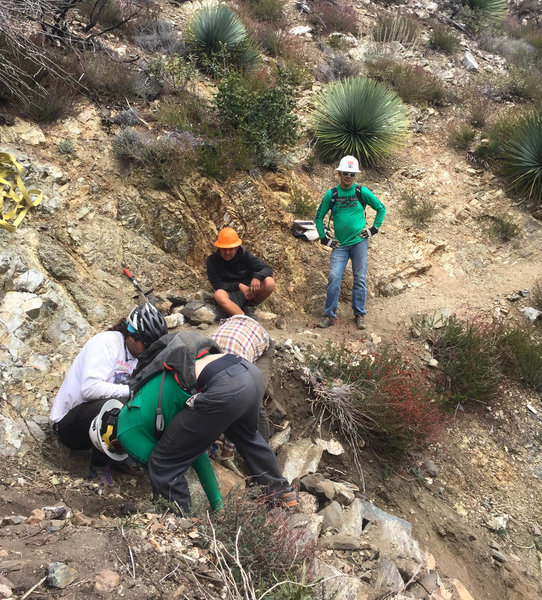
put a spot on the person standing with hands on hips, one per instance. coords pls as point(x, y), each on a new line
point(347, 204)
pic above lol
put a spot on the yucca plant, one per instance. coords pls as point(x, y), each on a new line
point(522, 157)
point(359, 117)
point(490, 9)
point(217, 38)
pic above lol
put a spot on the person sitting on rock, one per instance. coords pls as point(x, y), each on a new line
point(239, 278)
point(100, 372)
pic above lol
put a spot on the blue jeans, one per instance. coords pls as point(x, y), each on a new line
point(337, 264)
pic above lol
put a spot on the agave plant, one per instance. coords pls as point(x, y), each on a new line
point(522, 157)
point(359, 117)
point(215, 34)
point(490, 9)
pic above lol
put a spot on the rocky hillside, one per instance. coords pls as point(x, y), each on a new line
point(468, 515)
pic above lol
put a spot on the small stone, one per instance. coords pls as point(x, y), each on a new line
point(60, 575)
point(12, 520)
point(280, 323)
point(36, 516)
point(55, 512)
point(498, 556)
point(106, 582)
point(431, 467)
point(81, 520)
point(470, 62)
point(524, 293)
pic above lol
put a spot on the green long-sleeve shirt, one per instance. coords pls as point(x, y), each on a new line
point(348, 214)
point(136, 428)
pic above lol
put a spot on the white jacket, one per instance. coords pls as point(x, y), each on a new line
point(100, 370)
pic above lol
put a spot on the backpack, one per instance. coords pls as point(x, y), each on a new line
point(335, 196)
point(174, 352)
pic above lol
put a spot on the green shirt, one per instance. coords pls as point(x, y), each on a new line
point(136, 428)
point(348, 214)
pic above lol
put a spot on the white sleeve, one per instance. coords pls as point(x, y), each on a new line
point(100, 363)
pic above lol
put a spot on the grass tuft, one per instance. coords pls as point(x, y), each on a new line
point(469, 361)
point(443, 40)
point(418, 209)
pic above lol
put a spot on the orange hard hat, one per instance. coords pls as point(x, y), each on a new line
point(228, 238)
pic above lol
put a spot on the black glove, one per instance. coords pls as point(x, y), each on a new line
point(325, 241)
point(368, 232)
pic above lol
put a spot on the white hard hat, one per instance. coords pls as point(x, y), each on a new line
point(101, 440)
point(348, 164)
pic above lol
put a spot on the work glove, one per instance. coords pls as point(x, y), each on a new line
point(330, 243)
point(368, 232)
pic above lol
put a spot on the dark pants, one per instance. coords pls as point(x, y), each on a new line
point(229, 404)
point(72, 430)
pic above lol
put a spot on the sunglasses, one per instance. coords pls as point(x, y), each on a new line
point(345, 174)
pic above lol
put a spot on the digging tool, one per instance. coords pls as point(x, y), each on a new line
point(136, 284)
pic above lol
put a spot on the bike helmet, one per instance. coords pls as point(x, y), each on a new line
point(103, 429)
point(147, 322)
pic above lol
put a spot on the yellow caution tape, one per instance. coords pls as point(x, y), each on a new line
point(12, 188)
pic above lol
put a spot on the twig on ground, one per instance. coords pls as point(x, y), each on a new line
point(42, 580)
point(129, 552)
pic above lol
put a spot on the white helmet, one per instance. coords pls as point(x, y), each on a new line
point(349, 164)
point(103, 426)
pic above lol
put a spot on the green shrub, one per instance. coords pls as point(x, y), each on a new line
point(175, 69)
point(396, 29)
point(223, 154)
point(260, 543)
point(460, 135)
point(443, 40)
point(522, 356)
point(522, 157)
point(217, 39)
point(537, 295)
point(519, 83)
point(479, 110)
point(266, 10)
point(359, 117)
point(414, 84)
point(419, 210)
point(104, 76)
point(504, 228)
point(66, 147)
point(469, 362)
point(326, 17)
point(49, 102)
point(301, 203)
point(259, 108)
point(184, 112)
point(489, 9)
point(380, 399)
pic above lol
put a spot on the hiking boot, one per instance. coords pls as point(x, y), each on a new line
point(102, 476)
point(325, 322)
point(129, 467)
point(288, 499)
point(360, 321)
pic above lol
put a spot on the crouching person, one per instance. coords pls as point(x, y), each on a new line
point(100, 372)
point(178, 411)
